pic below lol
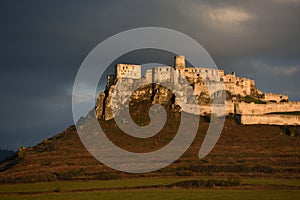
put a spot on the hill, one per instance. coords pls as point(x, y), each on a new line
point(243, 150)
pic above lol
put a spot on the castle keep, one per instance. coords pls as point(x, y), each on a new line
point(194, 87)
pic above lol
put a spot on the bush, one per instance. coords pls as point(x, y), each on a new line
point(249, 99)
point(107, 176)
point(69, 175)
point(263, 169)
point(232, 168)
point(290, 130)
point(57, 190)
point(184, 173)
point(233, 181)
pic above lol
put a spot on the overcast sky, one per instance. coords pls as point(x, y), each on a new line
point(43, 44)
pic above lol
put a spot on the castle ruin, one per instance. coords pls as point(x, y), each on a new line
point(243, 99)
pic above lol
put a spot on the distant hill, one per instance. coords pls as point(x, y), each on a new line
point(4, 154)
point(243, 150)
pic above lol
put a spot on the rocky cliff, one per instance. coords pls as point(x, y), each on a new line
point(121, 92)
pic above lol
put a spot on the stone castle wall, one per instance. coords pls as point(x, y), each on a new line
point(275, 97)
point(207, 74)
point(235, 85)
point(129, 71)
point(193, 89)
point(243, 108)
point(148, 75)
point(271, 119)
point(164, 74)
point(206, 109)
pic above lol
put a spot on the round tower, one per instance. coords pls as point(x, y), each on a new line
point(179, 62)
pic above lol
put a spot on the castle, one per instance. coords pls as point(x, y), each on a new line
point(243, 99)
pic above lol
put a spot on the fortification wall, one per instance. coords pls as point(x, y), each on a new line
point(237, 85)
point(206, 83)
point(163, 74)
point(260, 109)
point(221, 72)
point(210, 74)
point(275, 97)
point(271, 119)
point(206, 109)
point(148, 75)
point(129, 71)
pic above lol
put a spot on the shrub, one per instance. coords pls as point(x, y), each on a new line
point(69, 175)
point(233, 181)
point(232, 168)
point(57, 190)
point(249, 99)
point(289, 130)
point(184, 173)
point(107, 176)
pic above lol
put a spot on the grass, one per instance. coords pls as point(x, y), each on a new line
point(68, 186)
point(249, 99)
point(182, 194)
point(76, 185)
point(126, 189)
point(268, 181)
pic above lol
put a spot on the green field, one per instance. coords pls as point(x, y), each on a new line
point(147, 189)
point(159, 194)
point(77, 185)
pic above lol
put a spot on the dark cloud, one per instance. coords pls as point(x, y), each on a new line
point(43, 44)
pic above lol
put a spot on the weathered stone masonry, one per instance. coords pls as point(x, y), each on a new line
point(193, 96)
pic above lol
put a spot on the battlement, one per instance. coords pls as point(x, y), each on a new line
point(210, 74)
point(128, 71)
point(164, 74)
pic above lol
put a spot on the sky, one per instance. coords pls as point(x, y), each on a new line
point(43, 44)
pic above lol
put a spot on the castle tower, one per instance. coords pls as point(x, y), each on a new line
point(179, 62)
